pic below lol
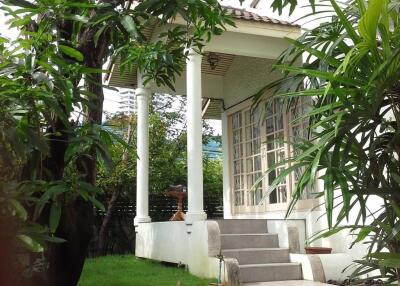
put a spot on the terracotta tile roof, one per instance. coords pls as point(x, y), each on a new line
point(251, 16)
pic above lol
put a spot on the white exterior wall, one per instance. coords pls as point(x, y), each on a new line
point(246, 77)
point(195, 245)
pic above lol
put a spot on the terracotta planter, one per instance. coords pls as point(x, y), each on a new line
point(317, 250)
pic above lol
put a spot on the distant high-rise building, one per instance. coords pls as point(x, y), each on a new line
point(127, 102)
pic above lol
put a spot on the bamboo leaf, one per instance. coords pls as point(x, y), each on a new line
point(55, 215)
point(71, 52)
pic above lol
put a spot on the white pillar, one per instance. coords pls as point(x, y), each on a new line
point(194, 138)
point(142, 173)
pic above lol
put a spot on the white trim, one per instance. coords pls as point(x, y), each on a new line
point(280, 31)
point(227, 193)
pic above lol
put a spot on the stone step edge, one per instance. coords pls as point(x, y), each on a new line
point(269, 264)
point(247, 234)
point(255, 249)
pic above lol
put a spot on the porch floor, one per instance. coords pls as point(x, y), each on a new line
point(286, 283)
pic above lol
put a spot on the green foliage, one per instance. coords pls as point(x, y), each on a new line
point(167, 152)
point(51, 95)
point(351, 74)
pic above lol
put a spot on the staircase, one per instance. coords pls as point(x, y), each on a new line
point(257, 251)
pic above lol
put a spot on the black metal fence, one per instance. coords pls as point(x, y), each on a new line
point(120, 236)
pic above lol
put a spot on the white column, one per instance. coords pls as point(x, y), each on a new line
point(142, 173)
point(227, 194)
point(194, 138)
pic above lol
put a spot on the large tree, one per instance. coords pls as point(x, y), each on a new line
point(52, 101)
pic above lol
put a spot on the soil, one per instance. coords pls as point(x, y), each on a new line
point(355, 283)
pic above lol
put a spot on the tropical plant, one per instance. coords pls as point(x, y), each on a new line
point(52, 101)
point(350, 72)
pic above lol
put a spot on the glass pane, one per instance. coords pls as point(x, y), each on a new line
point(236, 151)
point(271, 177)
point(258, 196)
point(281, 156)
point(269, 108)
point(256, 131)
point(236, 167)
point(279, 121)
point(282, 194)
point(236, 137)
point(279, 140)
point(273, 197)
point(255, 115)
point(295, 131)
point(270, 159)
point(237, 199)
point(257, 146)
point(250, 198)
point(269, 125)
point(248, 133)
point(247, 116)
point(249, 165)
point(236, 182)
point(270, 142)
point(250, 182)
point(248, 149)
point(295, 112)
point(257, 163)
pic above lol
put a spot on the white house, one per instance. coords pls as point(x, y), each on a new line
point(254, 237)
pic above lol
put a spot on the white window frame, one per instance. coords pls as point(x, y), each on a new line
point(247, 207)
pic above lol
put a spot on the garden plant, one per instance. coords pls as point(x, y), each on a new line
point(348, 67)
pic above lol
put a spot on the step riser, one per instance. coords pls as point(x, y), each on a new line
point(270, 273)
point(243, 226)
point(249, 241)
point(259, 256)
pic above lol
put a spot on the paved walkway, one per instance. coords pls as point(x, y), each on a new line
point(287, 283)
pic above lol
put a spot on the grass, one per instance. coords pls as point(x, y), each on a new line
point(131, 271)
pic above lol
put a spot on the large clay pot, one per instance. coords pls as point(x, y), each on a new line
point(318, 250)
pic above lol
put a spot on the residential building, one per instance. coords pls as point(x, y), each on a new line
point(127, 101)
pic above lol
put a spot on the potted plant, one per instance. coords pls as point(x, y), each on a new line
point(317, 250)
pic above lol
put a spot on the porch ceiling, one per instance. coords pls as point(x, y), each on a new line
point(212, 108)
point(129, 79)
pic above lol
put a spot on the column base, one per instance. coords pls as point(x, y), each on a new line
point(195, 216)
point(138, 220)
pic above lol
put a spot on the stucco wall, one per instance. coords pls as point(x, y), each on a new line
point(194, 245)
point(245, 77)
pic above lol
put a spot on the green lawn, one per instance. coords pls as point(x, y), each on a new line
point(131, 271)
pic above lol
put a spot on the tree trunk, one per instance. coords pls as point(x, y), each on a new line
point(66, 260)
point(101, 245)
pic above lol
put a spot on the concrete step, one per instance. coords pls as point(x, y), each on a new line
point(249, 240)
point(287, 283)
point(258, 255)
point(270, 272)
point(243, 225)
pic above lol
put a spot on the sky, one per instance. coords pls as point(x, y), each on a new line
point(111, 97)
